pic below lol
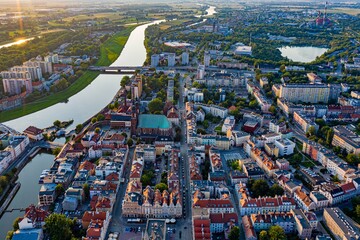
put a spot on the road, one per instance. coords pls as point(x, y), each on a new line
point(119, 224)
point(184, 173)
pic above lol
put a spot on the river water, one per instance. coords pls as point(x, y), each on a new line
point(94, 97)
point(79, 107)
point(28, 191)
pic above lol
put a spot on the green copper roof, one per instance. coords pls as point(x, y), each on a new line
point(153, 121)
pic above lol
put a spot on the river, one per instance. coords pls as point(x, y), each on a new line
point(28, 191)
point(80, 107)
point(94, 97)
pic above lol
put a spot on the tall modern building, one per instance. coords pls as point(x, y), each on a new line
point(53, 58)
point(14, 86)
point(45, 67)
point(200, 72)
point(171, 59)
point(185, 58)
point(14, 74)
point(34, 71)
point(155, 58)
point(312, 93)
point(207, 59)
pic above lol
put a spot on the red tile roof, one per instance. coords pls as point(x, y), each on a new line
point(202, 229)
point(213, 203)
point(86, 165)
point(223, 217)
point(36, 214)
point(90, 215)
point(33, 130)
point(112, 177)
point(348, 187)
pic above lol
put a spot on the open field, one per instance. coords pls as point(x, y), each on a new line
point(86, 17)
point(48, 101)
point(111, 49)
point(166, 25)
point(350, 11)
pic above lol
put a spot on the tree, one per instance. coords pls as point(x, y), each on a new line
point(57, 123)
point(357, 211)
point(145, 179)
point(78, 128)
point(156, 105)
point(97, 130)
point(56, 151)
point(16, 224)
point(93, 120)
point(3, 181)
point(235, 165)
point(86, 190)
point(100, 117)
point(260, 188)
point(352, 158)
point(272, 109)
point(253, 104)
point(161, 187)
point(234, 233)
point(59, 227)
point(9, 235)
point(263, 235)
point(276, 233)
point(125, 81)
point(276, 190)
point(205, 124)
point(329, 136)
point(311, 131)
point(59, 189)
point(130, 142)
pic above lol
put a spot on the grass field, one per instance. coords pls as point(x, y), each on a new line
point(350, 11)
point(86, 17)
point(48, 101)
point(111, 49)
point(166, 25)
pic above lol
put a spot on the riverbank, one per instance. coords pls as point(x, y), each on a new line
point(109, 52)
point(50, 100)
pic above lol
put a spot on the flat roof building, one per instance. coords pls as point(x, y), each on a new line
point(340, 225)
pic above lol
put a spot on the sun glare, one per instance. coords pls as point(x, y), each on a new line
point(18, 5)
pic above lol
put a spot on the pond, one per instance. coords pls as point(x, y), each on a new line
point(302, 54)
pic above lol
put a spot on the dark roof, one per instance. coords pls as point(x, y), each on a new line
point(118, 117)
point(33, 130)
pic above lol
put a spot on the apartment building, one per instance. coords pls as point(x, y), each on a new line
point(17, 85)
point(340, 225)
point(312, 93)
point(345, 138)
